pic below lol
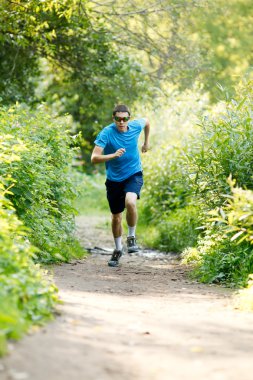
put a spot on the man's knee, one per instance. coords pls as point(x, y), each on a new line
point(131, 200)
point(117, 218)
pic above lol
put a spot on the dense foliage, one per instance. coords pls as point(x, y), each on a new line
point(83, 56)
point(224, 150)
point(43, 187)
point(36, 214)
point(61, 54)
point(185, 41)
point(26, 297)
point(193, 204)
point(166, 199)
point(223, 147)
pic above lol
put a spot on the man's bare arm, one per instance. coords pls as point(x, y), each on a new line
point(145, 146)
point(98, 157)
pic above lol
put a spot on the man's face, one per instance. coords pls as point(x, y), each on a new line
point(121, 120)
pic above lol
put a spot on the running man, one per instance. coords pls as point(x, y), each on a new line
point(117, 146)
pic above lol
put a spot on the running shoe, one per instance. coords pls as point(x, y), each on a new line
point(132, 245)
point(114, 260)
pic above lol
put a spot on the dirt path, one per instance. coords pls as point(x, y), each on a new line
point(142, 321)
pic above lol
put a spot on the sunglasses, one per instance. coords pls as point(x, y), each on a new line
point(119, 119)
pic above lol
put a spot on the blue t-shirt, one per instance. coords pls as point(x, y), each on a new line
point(110, 139)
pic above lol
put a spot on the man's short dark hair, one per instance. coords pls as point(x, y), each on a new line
point(121, 108)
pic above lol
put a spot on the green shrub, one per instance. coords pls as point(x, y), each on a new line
point(218, 259)
point(26, 297)
point(230, 256)
point(188, 181)
point(37, 191)
point(175, 231)
point(178, 230)
point(223, 147)
point(165, 186)
point(167, 196)
point(43, 192)
point(165, 201)
point(237, 215)
point(226, 252)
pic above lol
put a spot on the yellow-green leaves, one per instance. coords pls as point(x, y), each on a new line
point(35, 155)
point(36, 215)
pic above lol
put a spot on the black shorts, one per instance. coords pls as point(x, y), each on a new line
point(116, 191)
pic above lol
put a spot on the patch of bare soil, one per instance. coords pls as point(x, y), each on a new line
point(145, 320)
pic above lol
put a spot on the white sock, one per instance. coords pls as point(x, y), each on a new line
point(118, 243)
point(131, 231)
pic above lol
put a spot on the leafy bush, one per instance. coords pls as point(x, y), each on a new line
point(218, 259)
point(237, 215)
point(178, 230)
point(165, 188)
point(165, 201)
point(187, 185)
point(225, 254)
point(167, 198)
point(223, 147)
point(25, 296)
point(43, 193)
point(36, 196)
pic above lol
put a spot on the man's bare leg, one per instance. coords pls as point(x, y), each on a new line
point(117, 230)
point(117, 225)
point(131, 209)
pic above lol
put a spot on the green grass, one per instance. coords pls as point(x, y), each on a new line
point(92, 199)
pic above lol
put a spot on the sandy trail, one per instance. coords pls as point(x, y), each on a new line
point(144, 320)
